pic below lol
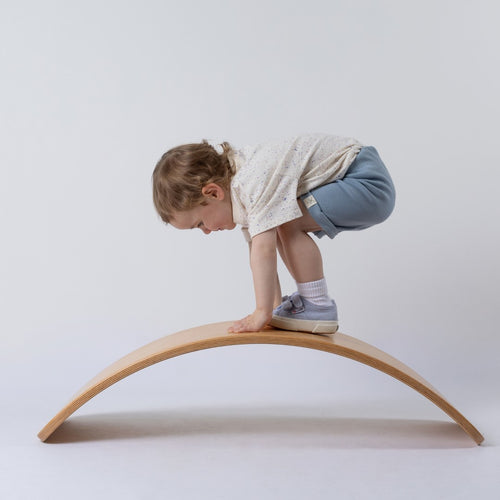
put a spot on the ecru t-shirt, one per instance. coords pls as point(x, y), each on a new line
point(268, 178)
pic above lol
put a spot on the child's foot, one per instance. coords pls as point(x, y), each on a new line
point(297, 313)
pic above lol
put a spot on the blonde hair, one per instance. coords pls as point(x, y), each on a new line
point(183, 171)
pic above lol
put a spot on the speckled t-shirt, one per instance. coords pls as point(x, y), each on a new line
point(269, 177)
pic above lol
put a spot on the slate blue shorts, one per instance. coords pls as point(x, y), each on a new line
point(364, 197)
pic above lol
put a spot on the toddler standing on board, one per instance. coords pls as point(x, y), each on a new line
point(279, 192)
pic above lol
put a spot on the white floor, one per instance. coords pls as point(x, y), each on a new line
point(115, 447)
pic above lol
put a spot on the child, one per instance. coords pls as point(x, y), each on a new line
point(279, 192)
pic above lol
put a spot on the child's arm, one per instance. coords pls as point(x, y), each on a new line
point(264, 271)
point(277, 286)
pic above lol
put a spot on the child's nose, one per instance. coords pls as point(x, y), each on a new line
point(205, 230)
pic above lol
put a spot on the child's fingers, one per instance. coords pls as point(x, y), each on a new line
point(251, 323)
point(242, 325)
point(236, 327)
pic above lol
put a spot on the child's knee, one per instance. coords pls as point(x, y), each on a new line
point(290, 230)
point(285, 231)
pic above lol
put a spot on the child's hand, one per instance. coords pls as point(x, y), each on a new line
point(252, 323)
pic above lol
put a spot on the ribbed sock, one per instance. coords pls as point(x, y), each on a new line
point(315, 292)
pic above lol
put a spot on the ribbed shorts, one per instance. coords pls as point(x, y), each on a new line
point(365, 196)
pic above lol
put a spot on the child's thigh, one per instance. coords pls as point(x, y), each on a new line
point(364, 197)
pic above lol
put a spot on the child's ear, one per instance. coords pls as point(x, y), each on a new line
point(213, 190)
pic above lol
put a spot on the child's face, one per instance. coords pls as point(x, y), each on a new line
point(216, 215)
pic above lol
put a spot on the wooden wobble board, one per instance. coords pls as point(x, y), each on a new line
point(215, 335)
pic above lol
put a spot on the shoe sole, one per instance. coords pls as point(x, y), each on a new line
point(305, 325)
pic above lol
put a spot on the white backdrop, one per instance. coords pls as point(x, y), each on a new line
point(92, 93)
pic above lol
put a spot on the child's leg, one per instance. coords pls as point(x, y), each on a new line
point(300, 253)
point(310, 309)
point(362, 198)
point(302, 258)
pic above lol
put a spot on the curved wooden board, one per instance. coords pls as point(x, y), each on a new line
point(215, 335)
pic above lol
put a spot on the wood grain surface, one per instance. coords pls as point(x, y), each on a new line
point(215, 335)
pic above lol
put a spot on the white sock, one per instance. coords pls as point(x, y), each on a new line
point(315, 292)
